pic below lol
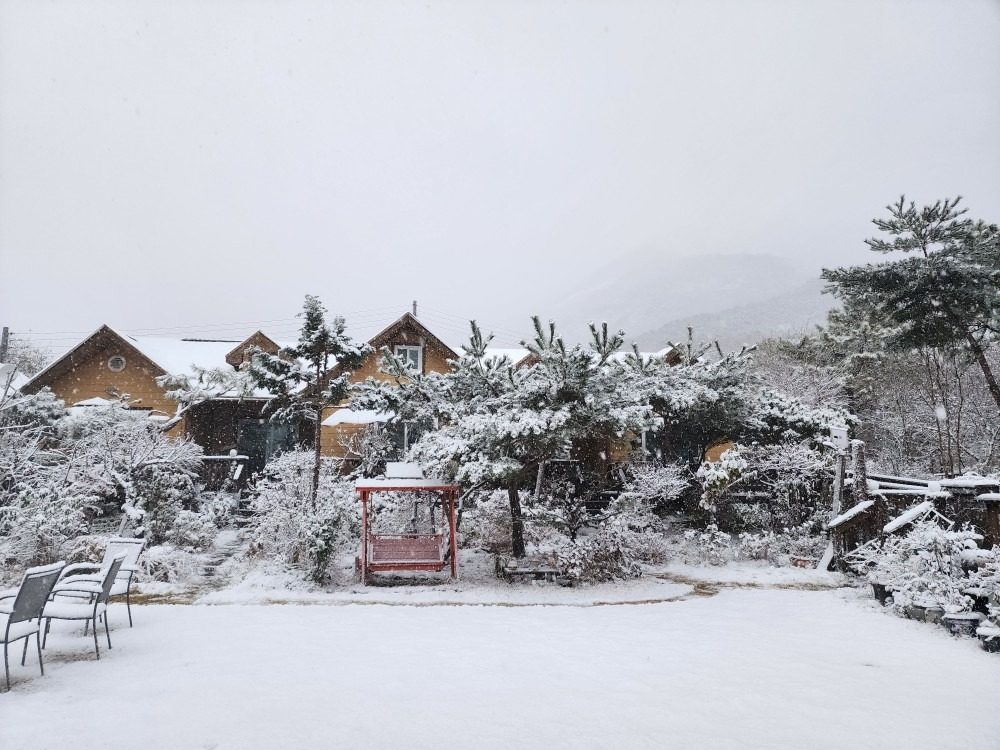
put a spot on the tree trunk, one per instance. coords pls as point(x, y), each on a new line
point(317, 454)
point(516, 521)
point(980, 355)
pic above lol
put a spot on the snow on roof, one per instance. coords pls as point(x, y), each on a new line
point(181, 356)
point(347, 415)
point(847, 515)
point(909, 516)
point(11, 380)
point(514, 355)
point(966, 482)
point(403, 470)
point(95, 401)
point(621, 356)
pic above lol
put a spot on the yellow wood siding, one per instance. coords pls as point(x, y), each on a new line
point(89, 377)
point(435, 359)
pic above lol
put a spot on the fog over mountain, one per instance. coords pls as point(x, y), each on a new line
point(737, 298)
point(789, 314)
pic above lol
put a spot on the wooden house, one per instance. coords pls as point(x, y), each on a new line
point(110, 366)
point(424, 352)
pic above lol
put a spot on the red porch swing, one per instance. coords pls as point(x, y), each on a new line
point(407, 551)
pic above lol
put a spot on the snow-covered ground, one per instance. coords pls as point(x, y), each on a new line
point(746, 668)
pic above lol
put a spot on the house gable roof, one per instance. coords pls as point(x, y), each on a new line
point(98, 340)
point(408, 322)
point(160, 355)
point(403, 327)
point(236, 357)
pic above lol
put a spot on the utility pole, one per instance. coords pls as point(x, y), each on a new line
point(5, 341)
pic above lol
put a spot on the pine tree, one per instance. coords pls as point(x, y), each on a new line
point(943, 294)
point(298, 377)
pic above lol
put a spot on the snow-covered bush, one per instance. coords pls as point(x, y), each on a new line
point(288, 527)
point(486, 524)
point(191, 530)
point(218, 507)
point(160, 496)
point(57, 477)
point(41, 522)
point(40, 409)
point(612, 553)
point(88, 548)
point(167, 564)
point(706, 547)
point(778, 547)
point(718, 477)
point(925, 567)
point(986, 578)
point(372, 446)
point(765, 487)
point(654, 484)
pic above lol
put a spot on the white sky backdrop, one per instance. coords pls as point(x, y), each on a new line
point(187, 165)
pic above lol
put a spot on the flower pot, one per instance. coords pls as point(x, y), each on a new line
point(990, 643)
point(962, 623)
point(934, 615)
point(915, 612)
point(881, 592)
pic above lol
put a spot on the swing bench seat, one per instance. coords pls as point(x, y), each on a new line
point(406, 552)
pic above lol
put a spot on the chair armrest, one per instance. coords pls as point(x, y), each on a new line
point(77, 587)
point(8, 593)
point(75, 567)
point(128, 569)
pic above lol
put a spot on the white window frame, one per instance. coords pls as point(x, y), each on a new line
point(403, 350)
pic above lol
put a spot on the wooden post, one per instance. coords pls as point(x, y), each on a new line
point(364, 537)
point(860, 471)
point(452, 542)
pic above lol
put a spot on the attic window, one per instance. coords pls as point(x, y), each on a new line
point(412, 355)
point(116, 363)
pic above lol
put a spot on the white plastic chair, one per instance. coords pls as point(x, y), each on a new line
point(92, 572)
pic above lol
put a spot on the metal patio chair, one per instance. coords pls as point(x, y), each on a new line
point(66, 604)
point(91, 572)
point(24, 618)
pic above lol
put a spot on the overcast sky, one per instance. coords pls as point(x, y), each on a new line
point(197, 167)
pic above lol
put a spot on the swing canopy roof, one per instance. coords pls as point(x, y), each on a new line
point(403, 476)
point(403, 484)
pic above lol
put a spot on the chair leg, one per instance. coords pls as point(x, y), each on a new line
point(38, 645)
point(45, 639)
point(24, 652)
point(6, 666)
point(128, 603)
point(106, 632)
point(97, 647)
point(86, 627)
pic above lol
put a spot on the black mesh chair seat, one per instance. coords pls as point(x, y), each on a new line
point(23, 612)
